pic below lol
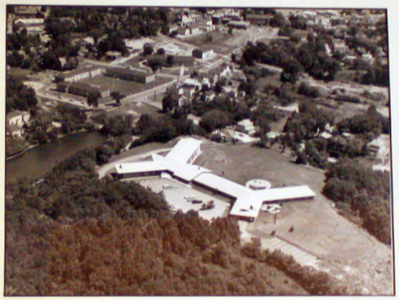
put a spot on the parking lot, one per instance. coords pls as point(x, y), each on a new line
point(176, 195)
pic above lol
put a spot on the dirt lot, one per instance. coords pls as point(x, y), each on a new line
point(317, 226)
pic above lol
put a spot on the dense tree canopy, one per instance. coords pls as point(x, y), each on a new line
point(353, 185)
point(18, 95)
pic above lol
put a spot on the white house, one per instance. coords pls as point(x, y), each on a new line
point(246, 126)
point(18, 118)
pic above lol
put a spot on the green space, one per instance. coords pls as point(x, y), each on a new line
point(318, 228)
point(125, 87)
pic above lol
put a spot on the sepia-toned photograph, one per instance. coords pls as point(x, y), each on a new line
point(197, 151)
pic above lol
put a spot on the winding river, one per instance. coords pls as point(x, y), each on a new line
point(37, 161)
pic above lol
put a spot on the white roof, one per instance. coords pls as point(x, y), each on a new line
point(30, 21)
point(284, 193)
point(248, 202)
point(186, 171)
point(221, 184)
point(245, 123)
point(242, 206)
point(183, 150)
point(145, 166)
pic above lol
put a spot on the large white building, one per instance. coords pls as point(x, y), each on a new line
point(178, 164)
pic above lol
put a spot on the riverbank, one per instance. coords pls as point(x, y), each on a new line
point(39, 159)
point(21, 152)
point(59, 136)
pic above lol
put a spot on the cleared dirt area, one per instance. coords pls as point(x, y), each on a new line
point(318, 228)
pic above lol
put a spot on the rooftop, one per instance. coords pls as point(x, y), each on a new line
point(248, 202)
point(16, 113)
point(80, 70)
point(128, 71)
point(183, 150)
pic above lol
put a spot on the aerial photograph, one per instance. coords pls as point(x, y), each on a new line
point(197, 151)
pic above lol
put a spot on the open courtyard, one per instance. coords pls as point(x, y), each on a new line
point(125, 87)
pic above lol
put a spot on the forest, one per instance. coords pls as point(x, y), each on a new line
point(360, 192)
point(91, 236)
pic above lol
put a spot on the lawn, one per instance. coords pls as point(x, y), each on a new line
point(123, 86)
point(318, 227)
point(176, 70)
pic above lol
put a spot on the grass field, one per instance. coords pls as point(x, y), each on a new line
point(318, 228)
point(345, 250)
point(176, 70)
point(124, 86)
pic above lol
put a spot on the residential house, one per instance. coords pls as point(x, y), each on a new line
point(374, 147)
point(230, 91)
point(188, 90)
point(196, 120)
point(209, 95)
point(63, 61)
point(32, 26)
point(16, 121)
point(223, 70)
point(15, 131)
point(183, 31)
point(194, 29)
point(202, 53)
point(368, 57)
point(340, 46)
point(183, 100)
point(173, 28)
point(259, 19)
point(208, 78)
point(206, 25)
point(238, 24)
point(186, 20)
point(18, 118)
point(246, 126)
point(217, 20)
point(27, 10)
point(324, 21)
point(113, 55)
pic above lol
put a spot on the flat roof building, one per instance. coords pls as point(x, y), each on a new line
point(178, 163)
point(81, 89)
point(131, 75)
point(259, 19)
point(79, 74)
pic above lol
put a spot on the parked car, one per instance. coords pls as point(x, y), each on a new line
point(207, 206)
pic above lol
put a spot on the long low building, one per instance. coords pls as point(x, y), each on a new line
point(79, 74)
point(82, 89)
point(131, 75)
point(178, 164)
